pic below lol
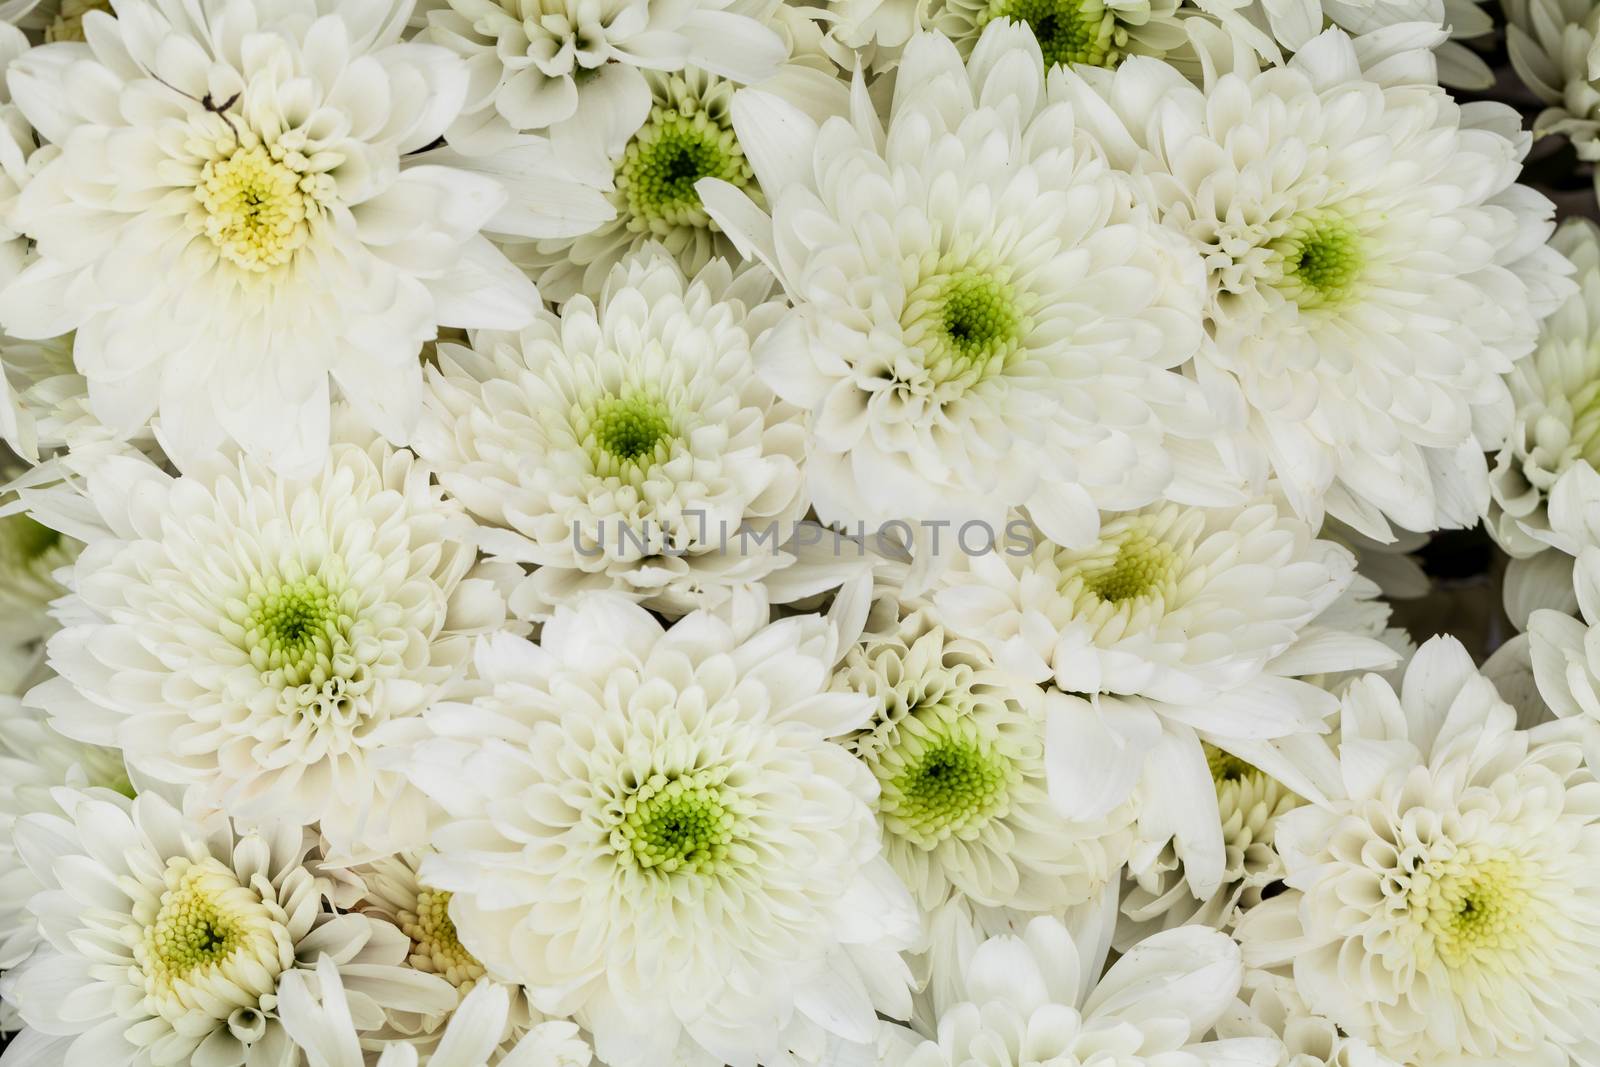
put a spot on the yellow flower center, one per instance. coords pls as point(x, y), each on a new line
point(1473, 907)
point(205, 920)
point(257, 210)
point(437, 949)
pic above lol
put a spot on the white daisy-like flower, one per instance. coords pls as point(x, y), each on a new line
point(1294, 23)
point(1249, 801)
point(1557, 396)
point(168, 935)
point(320, 1024)
point(1034, 998)
point(269, 639)
point(1268, 1006)
point(650, 831)
point(1444, 907)
point(1181, 626)
point(1366, 301)
point(683, 132)
point(957, 748)
point(627, 443)
point(257, 231)
point(1555, 50)
point(579, 71)
point(392, 890)
point(983, 317)
point(34, 761)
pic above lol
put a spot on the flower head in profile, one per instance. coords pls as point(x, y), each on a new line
point(1365, 303)
point(626, 443)
point(957, 748)
point(268, 639)
point(168, 935)
point(651, 831)
point(1032, 997)
point(1443, 907)
point(983, 318)
point(1552, 44)
point(261, 232)
point(1557, 396)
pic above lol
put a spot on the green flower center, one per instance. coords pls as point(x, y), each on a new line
point(1322, 259)
point(1473, 907)
point(943, 778)
point(1226, 767)
point(631, 428)
point(295, 626)
point(1068, 31)
point(687, 823)
point(436, 947)
point(200, 923)
point(1143, 566)
point(68, 24)
point(969, 324)
point(674, 149)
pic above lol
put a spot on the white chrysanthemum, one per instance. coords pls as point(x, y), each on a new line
point(1294, 23)
point(1249, 802)
point(392, 890)
point(1173, 603)
point(320, 1024)
point(1557, 394)
point(651, 831)
point(236, 224)
point(1268, 1006)
point(1206, 623)
point(958, 751)
point(982, 317)
point(168, 935)
point(682, 132)
point(1555, 50)
point(1033, 998)
point(628, 445)
point(20, 156)
point(46, 402)
point(31, 555)
point(1444, 908)
point(271, 639)
point(1365, 298)
point(34, 760)
point(580, 70)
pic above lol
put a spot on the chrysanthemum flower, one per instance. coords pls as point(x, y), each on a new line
point(1444, 908)
point(650, 831)
point(1557, 394)
point(1553, 50)
point(1365, 299)
point(579, 70)
point(229, 220)
point(682, 132)
point(269, 639)
point(1564, 657)
point(1033, 998)
point(1179, 626)
point(626, 444)
point(319, 1021)
point(1158, 896)
point(1269, 1007)
point(20, 157)
point(982, 316)
point(168, 935)
point(957, 748)
point(34, 761)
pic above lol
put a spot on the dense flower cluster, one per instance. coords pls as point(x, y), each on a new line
point(795, 533)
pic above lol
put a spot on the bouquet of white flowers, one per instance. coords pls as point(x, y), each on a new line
point(799, 533)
